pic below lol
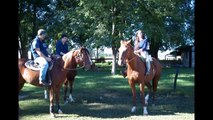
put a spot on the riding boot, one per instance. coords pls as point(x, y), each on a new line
point(147, 67)
point(48, 78)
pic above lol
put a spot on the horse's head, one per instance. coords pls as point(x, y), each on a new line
point(123, 51)
point(83, 58)
point(80, 57)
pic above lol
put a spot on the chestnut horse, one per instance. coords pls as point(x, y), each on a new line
point(136, 73)
point(70, 80)
point(70, 77)
point(61, 66)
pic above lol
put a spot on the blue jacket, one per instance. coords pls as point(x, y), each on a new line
point(60, 47)
point(143, 44)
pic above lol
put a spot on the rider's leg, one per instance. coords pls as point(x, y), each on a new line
point(147, 65)
point(44, 67)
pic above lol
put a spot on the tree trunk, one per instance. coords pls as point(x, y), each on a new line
point(19, 29)
point(113, 70)
point(114, 52)
point(19, 47)
point(154, 53)
point(97, 54)
point(154, 48)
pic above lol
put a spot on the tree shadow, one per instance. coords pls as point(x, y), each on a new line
point(110, 97)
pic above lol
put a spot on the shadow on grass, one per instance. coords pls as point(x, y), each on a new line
point(103, 96)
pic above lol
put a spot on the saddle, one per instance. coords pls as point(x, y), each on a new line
point(35, 66)
point(150, 60)
point(144, 59)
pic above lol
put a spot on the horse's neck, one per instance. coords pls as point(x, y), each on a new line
point(131, 60)
point(58, 66)
point(73, 66)
point(73, 63)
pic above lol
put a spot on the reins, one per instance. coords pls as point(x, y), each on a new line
point(131, 59)
point(69, 69)
point(128, 61)
point(73, 68)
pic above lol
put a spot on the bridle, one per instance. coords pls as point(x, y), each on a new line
point(78, 57)
point(74, 68)
point(128, 61)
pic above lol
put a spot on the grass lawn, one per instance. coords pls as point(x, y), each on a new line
point(100, 95)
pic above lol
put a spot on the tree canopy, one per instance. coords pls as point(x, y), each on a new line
point(95, 23)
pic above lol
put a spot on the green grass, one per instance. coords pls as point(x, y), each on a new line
point(100, 95)
point(185, 80)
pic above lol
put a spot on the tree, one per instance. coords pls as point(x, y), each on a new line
point(166, 23)
point(31, 16)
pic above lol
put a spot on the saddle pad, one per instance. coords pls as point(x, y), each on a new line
point(32, 65)
point(144, 59)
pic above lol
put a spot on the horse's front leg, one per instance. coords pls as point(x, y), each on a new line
point(51, 96)
point(57, 100)
point(132, 85)
point(145, 112)
point(149, 86)
point(71, 88)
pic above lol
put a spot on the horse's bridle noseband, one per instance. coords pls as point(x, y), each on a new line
point(78, 57)
point(126, 56)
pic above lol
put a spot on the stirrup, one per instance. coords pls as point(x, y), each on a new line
point(42, 82)
point(147, 73)
point(50, 66)
point(50, 82)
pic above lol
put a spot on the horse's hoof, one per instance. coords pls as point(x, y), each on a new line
point(70, 99)
point(45, 97)
point(66, 102)
point(60, 111)
point(145, 114)
point(52, 115)
point(133, 109)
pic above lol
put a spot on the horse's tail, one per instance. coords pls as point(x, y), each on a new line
point(158, 68)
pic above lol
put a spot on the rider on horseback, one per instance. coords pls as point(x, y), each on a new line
point(61, 45)
point(40, 55)
point(141, 48)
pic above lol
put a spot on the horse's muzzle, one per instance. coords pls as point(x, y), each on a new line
point(120, 63)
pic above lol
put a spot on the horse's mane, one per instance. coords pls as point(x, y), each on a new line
point(68, 55)
point(131, 47)
point(87, 50)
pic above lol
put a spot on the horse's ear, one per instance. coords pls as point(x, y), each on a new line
point(81, 49)
point(129, 41)
point(122, 42)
